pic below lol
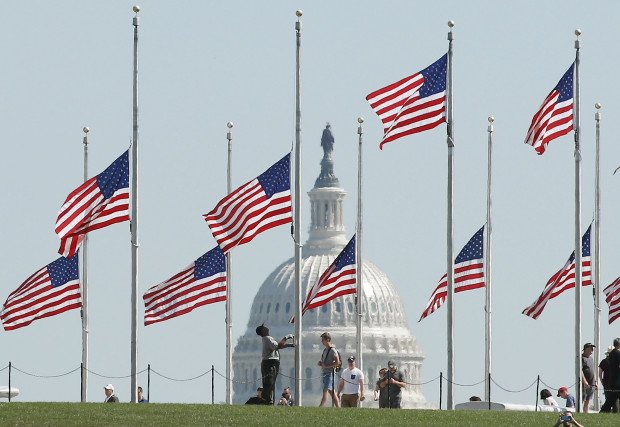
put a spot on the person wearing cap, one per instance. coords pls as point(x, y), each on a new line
point(395, 381)
point(570, 399)
point(351, 385)
point(330, 359)
point(588, 375)
point(270, 363)
point(109, 394)
point(604, 375)
point(258, 399)
point(613, 394)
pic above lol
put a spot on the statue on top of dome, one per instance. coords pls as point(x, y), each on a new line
point(327, 177)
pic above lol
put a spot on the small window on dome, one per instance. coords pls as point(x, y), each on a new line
point(277, 307)
point(350, 307)
point(338, 307)
point(390, 307)
point(268, 308)
point(382, 305)
point(373, 307)
point(260, 310)
point(324, 308)
point(288, 307)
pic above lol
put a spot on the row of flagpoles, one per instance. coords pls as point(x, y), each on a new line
point(417, 103)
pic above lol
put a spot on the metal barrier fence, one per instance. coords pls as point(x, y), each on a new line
point(440, 378)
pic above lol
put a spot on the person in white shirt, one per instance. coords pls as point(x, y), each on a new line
point(547, 398)
point(351, 386)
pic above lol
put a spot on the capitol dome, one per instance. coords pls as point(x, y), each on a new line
point(386, 334)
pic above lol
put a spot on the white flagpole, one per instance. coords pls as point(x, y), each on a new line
point(229, 281)
point(487, 273)
point(134, 217)
point(84, 255)
point(597, 249)
point(577, 127)
point(450, 227)
point(297, 223)
point(358, 250)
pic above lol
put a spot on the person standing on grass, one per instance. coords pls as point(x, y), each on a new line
point(109, 394)
point(381, 389)
point(270, 364)
point(614, 378)
point(604, 375)
point(395, 382)
point(352, 383)
point(329, 361)
point(588, 375)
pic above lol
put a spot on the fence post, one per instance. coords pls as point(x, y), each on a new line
point(537, 387)
point(489, 391)
point(333, 385)
point(212, 385)
point(9, 382)
point(81, 381)
point(148, 383)
point(440, 388)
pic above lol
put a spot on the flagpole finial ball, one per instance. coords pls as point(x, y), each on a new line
point(230, 125)
point(86, 129)
point(360, 120)
point(451, 23)
point(491, 119)
point(136, 8)
point(299, 13)
point(577, 32)
point(598, 105)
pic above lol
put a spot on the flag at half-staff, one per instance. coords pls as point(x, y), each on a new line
point(554, 118)
point(468, 273)
point(256, 206)
point(100, 201)
point(413, 104)
point(339, 279)
point(564, 279)
point(200, 283)
point(51, 290)
point(612, 296)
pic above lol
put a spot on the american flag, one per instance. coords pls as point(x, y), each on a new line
point(564, 279)
point(52, 290)
point(413, 104)
point(339, 279)
point(202, 282)
point(555, 116)
point(101, 201)
point(612, 296)
point(256, 206)
point(468, 273)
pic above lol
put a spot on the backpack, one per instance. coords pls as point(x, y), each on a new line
point(338, 366)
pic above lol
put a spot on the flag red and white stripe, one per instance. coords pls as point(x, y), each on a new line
point(468, 273)
point(612, 297)
point(413, 104)
point(202, 282)
point(100, 201)
point(554, 118)
point(564, 279)
point(339, 279)
point(256, 206)
point(51, 290)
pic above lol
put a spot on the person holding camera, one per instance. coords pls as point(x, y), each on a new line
point(566, 419)
point(381, 389)
point(270, 364)
point(394, 380)
point(287, 398)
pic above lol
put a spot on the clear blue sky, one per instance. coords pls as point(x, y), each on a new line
point(69, 64)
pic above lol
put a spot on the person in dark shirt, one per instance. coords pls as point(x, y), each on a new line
point(395, 381)
point(258, 399)
point(613, 394)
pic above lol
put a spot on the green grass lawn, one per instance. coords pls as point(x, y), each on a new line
point(124, 414)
